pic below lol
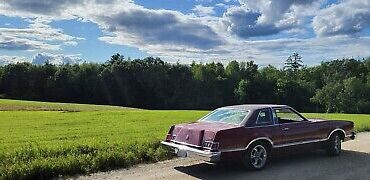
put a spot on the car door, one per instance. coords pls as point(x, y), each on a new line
point(293, 128)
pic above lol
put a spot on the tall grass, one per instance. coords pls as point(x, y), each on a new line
point(36, 162)
point(43, 144)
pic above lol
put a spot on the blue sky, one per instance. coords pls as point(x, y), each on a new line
point(266, 31)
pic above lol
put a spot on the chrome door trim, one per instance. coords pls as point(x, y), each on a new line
point(287, 144)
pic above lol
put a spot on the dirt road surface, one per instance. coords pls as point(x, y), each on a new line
point(353, 164)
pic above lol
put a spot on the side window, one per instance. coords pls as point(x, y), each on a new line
point(287, 115)
point(264, 117)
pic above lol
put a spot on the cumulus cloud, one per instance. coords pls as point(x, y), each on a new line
point(264, 17)
point(42, 58)
point(58, 59)
point(36, 8)
point(4, 60)
point(348, 17)
point(243, 23)
point(274, 10)
point(144, 28)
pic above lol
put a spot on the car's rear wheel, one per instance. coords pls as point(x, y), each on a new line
point(256, 156)
point(334, 145)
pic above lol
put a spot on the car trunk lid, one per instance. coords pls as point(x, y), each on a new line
point(195, 133)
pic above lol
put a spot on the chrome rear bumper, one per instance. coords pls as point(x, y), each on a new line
point(186, 151)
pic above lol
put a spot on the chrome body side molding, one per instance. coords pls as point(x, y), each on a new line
point(245, 148)
point(290, 144)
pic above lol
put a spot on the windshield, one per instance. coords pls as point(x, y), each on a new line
point(230, 116)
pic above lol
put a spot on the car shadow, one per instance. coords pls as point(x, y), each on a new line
point(311, 165)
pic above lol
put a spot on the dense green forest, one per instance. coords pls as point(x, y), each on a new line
point(334, 86)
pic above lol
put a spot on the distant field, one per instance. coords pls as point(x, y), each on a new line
point(18, 105)
point(40, 139)
point(362, 121)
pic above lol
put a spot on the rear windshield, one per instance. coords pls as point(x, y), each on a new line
point(230, 116)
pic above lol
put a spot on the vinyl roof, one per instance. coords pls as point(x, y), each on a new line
point(256, 106)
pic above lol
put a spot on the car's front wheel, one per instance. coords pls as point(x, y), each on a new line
point(334, 145)
point(256, 156)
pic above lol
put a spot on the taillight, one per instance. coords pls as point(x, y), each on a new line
point(210, 145)
point(170, 137)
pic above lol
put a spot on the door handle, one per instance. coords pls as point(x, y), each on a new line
point(285, 129)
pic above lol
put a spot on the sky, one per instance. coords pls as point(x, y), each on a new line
point(265, 31)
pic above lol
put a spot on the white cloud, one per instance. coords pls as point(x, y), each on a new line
point(266, 17)
point(60, 9)
point(42, 58)
point(203, 10)
point(275, 51)
point(273, 11)
point(243, 23)
point(18, 43)
point(144, 28)
point(4, 60)
point(38, 35)
point(222, 5)
point(57, 59)
point(348, 17)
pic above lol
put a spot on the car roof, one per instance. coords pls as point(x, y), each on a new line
point(255, 106)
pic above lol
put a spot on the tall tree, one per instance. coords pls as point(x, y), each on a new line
point(116, 59)
point(294, 62)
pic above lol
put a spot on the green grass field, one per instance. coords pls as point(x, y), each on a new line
point(39, 140)
point(19, 105)
point(362, 121)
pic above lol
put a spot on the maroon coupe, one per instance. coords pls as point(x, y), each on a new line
point(253, 132)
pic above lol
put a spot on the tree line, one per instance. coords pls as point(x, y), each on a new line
point(334, 86)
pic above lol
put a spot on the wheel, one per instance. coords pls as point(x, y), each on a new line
point(334, 145)
point(256, 156)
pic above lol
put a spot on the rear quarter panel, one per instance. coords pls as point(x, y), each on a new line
point(240, 137)
point(234, 141)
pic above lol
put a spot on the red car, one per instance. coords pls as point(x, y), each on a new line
point(252, 133)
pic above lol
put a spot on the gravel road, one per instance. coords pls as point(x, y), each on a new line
point(353, 164)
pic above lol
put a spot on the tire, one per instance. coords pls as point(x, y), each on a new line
point(334, 145)
point(256, 156)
